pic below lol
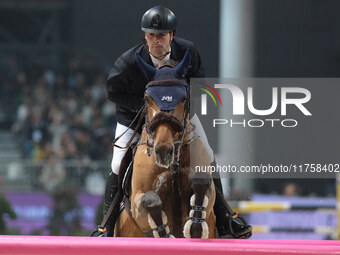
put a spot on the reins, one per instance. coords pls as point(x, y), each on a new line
point(141, 114)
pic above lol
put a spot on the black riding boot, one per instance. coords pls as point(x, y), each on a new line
point(111, 191)
point(228, 226)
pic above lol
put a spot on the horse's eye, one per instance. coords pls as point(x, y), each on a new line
point(146, 99)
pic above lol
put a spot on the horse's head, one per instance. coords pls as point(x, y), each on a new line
point(167, 104)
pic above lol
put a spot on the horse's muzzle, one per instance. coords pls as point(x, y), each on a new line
point(164, 154)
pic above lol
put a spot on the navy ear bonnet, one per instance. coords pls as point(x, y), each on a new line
point(167, 85)
point(165, 73)
point(166, 94)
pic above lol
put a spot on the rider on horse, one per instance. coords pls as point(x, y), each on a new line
point(126, 86)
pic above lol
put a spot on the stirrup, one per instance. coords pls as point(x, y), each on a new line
point(244, 231)
point(99, 232)
point(237, 228)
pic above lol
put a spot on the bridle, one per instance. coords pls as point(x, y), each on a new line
point(179, 126)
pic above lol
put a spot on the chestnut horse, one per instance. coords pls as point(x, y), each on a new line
point(167, 197)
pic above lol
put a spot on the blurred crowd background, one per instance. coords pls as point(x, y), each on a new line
point(61, 115)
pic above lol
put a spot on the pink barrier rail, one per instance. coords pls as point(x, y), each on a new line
point(27, 245)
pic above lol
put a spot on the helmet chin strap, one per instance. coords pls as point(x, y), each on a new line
point(157, 57)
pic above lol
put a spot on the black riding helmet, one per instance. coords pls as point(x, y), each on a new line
point(158, 19)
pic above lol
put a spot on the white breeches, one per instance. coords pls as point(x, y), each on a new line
point(119, 153)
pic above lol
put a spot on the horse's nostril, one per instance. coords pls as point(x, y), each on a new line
point(164, 152)
point(170, 153)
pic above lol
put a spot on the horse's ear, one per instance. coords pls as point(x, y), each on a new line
point(182, 68)
point(147, 70)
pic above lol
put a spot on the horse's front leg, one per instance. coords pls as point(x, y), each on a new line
point(157, 221)
point(196, 226)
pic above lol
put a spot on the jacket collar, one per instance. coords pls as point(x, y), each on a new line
point(146, 56)
point(174, 51)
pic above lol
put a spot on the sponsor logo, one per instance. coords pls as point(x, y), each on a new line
point(167, 98)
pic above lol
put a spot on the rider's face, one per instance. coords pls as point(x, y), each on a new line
point(159, 43)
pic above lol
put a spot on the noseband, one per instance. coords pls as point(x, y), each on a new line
point(165, 117)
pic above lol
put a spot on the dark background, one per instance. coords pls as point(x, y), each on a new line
point(299, 39)
point(104, 30)
point(292, 38)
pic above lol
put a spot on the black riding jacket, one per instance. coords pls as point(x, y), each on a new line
point(126, 83)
